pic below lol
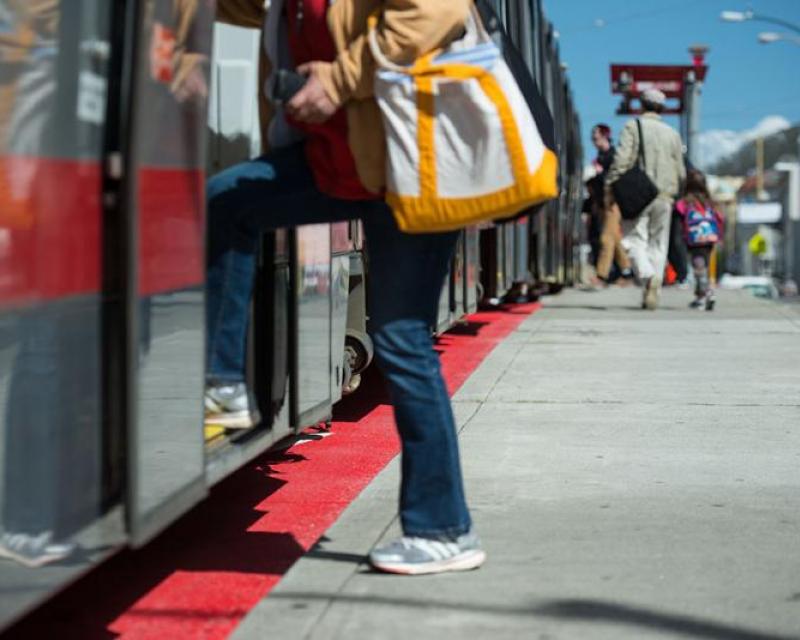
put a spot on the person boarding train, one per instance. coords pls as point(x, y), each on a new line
point(326, 162)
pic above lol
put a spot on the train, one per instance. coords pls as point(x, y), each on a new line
point(112, 114)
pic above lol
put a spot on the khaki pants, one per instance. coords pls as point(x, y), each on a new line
point(611, 248)
point(647, 239)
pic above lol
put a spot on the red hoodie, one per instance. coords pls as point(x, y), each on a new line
point(327, 149)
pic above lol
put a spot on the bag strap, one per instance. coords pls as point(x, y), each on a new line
point(375, 49)
point(641, 159)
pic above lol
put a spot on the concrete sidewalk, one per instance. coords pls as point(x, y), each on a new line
point(632, 474)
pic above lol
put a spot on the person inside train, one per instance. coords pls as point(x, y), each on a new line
point(610, 250)
point(325, 164)
point(646, 238)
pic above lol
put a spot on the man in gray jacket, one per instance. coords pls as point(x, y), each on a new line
point(646, 239)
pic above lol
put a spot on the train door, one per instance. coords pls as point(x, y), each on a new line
point(61, 474)
point(457, 279)
point(311, 282)
point(491, 264)
point(540, 239)
point(444, 316)
point(342, 252)
point(522, 250)
point(359, 350)
point(472, 268)
point(234, 135)
point(165, 170)
point(523, 36)
point(507, 232)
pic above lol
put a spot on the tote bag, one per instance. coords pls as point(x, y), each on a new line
point(462, 144)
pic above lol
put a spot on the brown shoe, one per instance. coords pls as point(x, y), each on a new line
point(652, 292)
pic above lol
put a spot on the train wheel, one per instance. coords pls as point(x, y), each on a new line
point(358, 350)
point(353, 384)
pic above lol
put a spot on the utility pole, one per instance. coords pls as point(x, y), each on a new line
point(760, 193)
point(694, 93)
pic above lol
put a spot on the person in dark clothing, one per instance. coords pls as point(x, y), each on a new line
point(677, 255)
point(610, 249)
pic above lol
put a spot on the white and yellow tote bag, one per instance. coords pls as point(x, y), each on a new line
point(462, 144)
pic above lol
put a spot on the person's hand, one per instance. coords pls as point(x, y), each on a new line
point(190, 79)
point(311, 104)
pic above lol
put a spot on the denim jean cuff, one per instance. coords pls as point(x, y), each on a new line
point(450, 532)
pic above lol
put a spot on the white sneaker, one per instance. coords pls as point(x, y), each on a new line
point(33, 550)
point(230, 406)
point(411, 555)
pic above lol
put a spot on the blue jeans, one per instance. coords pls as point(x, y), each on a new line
point(406, 275)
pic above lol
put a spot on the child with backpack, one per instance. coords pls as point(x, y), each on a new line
point(702, 230)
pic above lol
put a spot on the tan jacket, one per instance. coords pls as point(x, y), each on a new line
point(663, 154)
point(409, 28)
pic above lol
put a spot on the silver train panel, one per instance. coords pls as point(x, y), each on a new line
point(167, 205)
point(60, 477)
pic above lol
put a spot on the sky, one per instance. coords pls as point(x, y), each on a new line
point(747, 81)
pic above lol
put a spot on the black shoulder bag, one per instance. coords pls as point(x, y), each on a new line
point(634, 190)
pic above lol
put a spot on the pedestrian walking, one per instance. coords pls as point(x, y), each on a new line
point(646, 238)
point(702, 225)
point(326, 163)
point(677, 254)
point(610, 249)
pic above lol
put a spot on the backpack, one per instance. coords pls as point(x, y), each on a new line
point(701, 224)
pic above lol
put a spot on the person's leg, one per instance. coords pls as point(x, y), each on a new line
point(677, 252)
point(658, 234)
point(700, 259)
point(608, 242)
point(657, 216)
point(245, 200)
point(634, 241)
point(406, 275)
point(620, 255)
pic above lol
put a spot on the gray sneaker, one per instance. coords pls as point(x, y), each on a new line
point(230, 406)
point(33, 550)
point(413, 556)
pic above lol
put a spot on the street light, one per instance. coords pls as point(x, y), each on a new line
point(736, 16)
point(769, 37)
point(744, 16)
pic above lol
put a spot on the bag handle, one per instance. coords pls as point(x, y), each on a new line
point(641, 159)
point(422, 64)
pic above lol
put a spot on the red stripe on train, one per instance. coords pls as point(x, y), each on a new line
point(171, 229)
point(50, 229)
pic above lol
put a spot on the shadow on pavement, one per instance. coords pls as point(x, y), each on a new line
point(588, 611)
